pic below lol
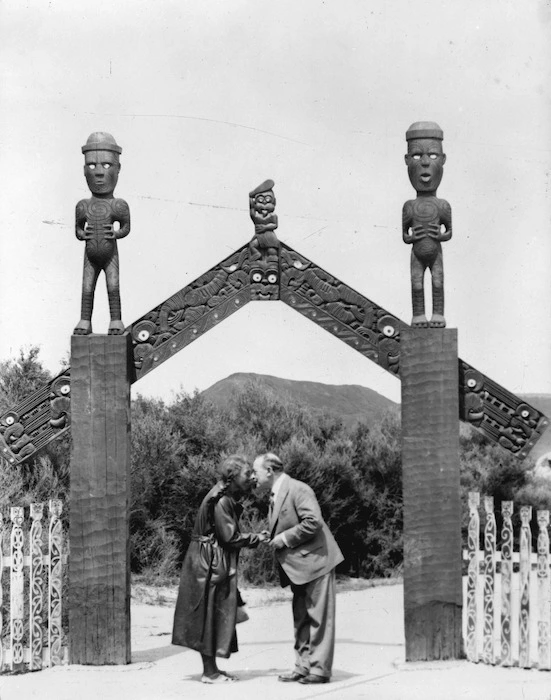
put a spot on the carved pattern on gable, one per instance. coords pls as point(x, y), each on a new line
point(311, 291)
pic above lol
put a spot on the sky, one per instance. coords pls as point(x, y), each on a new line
point(209, 99)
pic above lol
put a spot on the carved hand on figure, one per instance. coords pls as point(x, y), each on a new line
point(92, 231)
point(425, 231)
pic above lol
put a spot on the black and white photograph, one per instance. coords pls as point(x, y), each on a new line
point(275, 349)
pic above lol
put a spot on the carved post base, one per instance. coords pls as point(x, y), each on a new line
point(432, 505)
point(99, 561)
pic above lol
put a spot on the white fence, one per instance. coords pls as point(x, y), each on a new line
point(35, 635)
point(508, 614)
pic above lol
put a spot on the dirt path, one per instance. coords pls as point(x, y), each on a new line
point(369, 663)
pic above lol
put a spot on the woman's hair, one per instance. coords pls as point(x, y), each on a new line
point(231, 466)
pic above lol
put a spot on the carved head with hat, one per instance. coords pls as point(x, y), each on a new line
point(262, 202)
point(101, 163)
point(425, 158)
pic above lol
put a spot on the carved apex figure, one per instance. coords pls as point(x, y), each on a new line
point(427, 220)
point(262, 201)
point(100, 221)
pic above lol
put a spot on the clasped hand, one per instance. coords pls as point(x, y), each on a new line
point(276, 543)
point(92, 231)
point(426, 231)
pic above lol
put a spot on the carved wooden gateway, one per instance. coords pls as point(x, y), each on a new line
point(437, 388)
point(261, 272)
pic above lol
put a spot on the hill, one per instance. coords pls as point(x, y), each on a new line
point(348, 402)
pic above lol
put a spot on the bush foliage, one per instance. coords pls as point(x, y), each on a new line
point(176, 447)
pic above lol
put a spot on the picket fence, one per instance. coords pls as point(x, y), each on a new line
point(506, 609)
point(32, 646)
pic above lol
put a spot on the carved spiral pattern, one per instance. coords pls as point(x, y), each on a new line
point(99, 209)
point(36, 587)
point(498, 413)
point(543, 590)
point(489, 580)
point(525, 566)
point(16, 588)
point(473, 543)
point(425, 209)
point(54, 587)
point(506, 582)
point(354, 319)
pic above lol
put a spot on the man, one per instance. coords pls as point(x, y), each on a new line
point(306, 554)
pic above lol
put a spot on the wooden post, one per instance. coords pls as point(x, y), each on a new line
point(36, 587)
point(472, 579)
point(506, 582)
point(543, 591)
point(432, 505)
point(99, 562)
point(489, 580)
point(525, 566)
point(16, 589)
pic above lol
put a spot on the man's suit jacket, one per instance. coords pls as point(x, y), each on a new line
point(312, 550)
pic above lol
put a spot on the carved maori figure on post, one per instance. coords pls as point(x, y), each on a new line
point(264, 247)
point(100, 221)
point(427, 220)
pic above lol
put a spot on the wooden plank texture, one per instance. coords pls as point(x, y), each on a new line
point(99, 563)
point(432, 507)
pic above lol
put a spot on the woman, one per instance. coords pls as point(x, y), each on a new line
point(206, 608)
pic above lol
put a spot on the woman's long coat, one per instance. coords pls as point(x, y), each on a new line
point(205, 613)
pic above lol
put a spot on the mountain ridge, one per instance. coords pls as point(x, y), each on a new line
point(349, 402)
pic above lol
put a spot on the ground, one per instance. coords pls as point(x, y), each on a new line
point(369, 660)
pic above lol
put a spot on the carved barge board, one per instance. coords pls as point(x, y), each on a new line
point(433, 595)
point(311, 291)
point(99, 563)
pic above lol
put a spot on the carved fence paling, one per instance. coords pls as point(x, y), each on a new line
point(23, 644)
point(520, 603)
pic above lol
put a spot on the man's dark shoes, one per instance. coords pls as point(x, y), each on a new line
point(290, 676)
point(311, 678)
